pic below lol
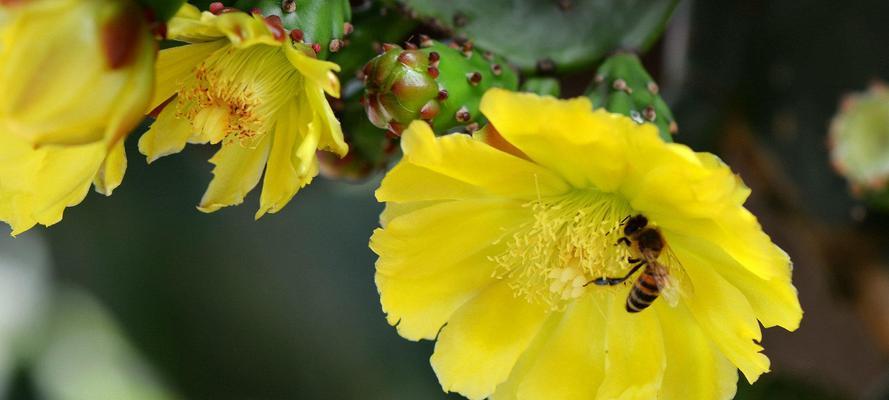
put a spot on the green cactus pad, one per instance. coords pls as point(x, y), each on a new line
point(623, 86)
point(565, 34)
point(320, 20)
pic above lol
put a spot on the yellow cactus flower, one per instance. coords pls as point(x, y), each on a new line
point(489, 244)
point(243, 82)
point(77, 76)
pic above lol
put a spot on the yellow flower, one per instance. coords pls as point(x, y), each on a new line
point(244, 83)
point(76, 77)
point(488, 241)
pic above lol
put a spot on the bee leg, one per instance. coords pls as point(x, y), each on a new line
point(632, 260)
point(605, 281)
point(623, 240)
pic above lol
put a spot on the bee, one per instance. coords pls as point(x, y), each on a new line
point(648, 244)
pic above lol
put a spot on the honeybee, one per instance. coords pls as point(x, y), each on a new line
point(648, 244)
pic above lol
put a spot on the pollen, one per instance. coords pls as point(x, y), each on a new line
point(571, 240)
point(235, 94)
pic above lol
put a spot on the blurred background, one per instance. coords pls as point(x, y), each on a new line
point(140, 296)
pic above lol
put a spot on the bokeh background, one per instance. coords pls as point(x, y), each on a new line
point(140, 296)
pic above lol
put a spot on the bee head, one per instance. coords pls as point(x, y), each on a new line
point(635, 224)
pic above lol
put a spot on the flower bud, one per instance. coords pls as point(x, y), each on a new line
point(437, 83)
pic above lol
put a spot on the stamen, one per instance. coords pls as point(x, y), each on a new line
point(235, 94)
point(570, 242)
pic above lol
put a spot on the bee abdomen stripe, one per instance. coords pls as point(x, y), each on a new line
point(641, 297)
point(649, 285)
point(634, 305)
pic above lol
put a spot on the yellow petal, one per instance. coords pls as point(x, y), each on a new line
point(37, 185)
point(244, 30)
point(111, 173)
point(459, 167)
point(774, 300)
point(282, 180)
point(331, 138)
point(695, 367)
point(724, 314)
point(587, 149)
point(176, 64)
point(571, 364)
point(481, 343)
point(167, 135)
point(509, 389)
point(238, 169)
point(319, 71)
point(191, 25)
point(434, 259)
point(634, 352)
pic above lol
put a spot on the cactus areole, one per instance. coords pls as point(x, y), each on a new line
point(441, 84)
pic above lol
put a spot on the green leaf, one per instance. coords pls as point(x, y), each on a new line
point(163, 9)
point(571, 34)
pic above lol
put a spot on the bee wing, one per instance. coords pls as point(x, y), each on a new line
point(676, 283)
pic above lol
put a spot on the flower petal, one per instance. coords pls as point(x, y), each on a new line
point(481, 343)
point(318, 71)
point(586, 148)
point(459, 167)
point(724, 314)
point(192, 26)
point(774, 300)
point(167, 135)
point(331, 138)
point(634, 352)
point(282, 180)
point(434, 259)
point(37, 185)
point(111, 173)
point(695, 367)
point(244, 30)
point(237, 171)
point(572, 362)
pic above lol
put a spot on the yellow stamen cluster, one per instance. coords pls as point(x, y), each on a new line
point(571, 241)
point(226, 98)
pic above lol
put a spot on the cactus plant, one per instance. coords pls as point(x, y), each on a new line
point(321, 22)
point(550, 35)
point(859, 144)
point(439, 83)
point(623, 86)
